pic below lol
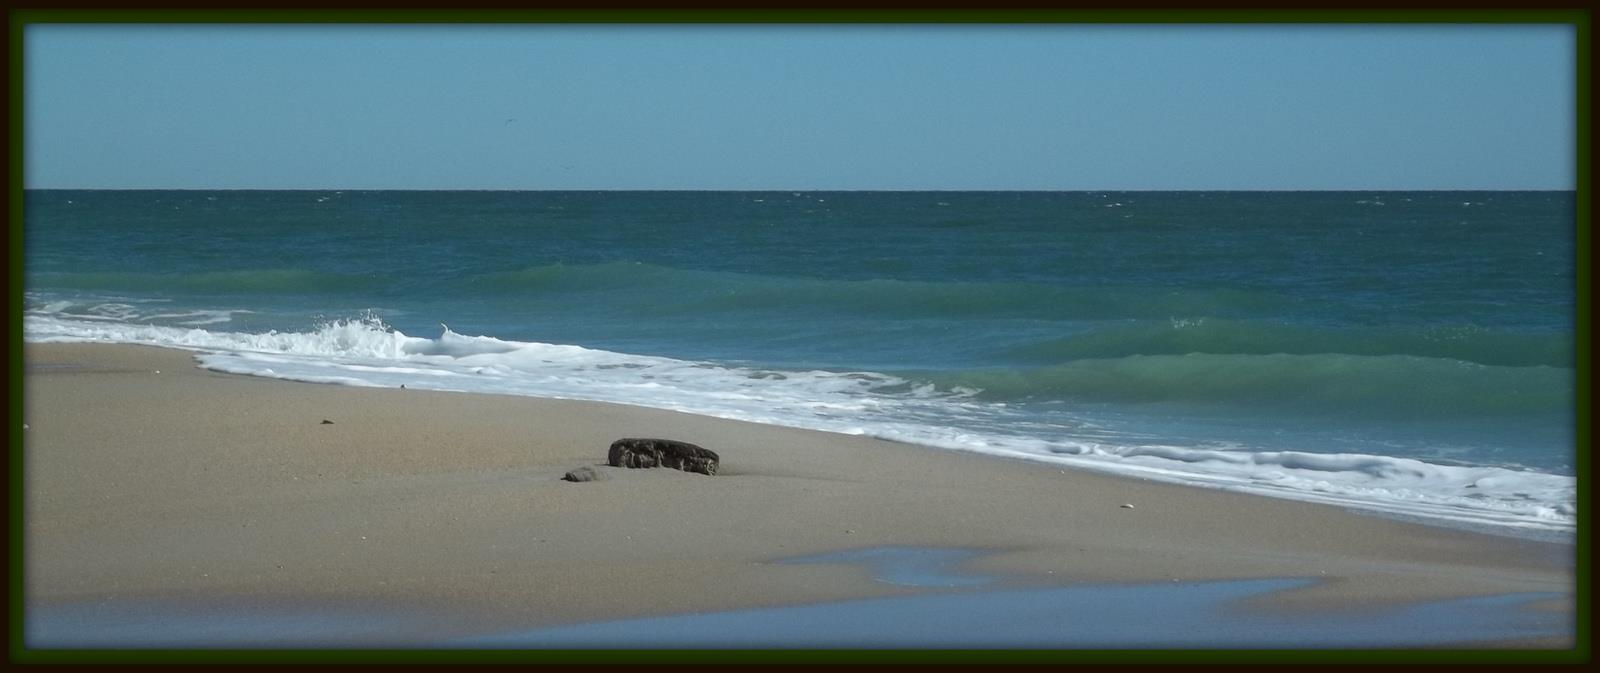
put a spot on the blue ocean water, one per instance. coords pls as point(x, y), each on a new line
point(1401, 352)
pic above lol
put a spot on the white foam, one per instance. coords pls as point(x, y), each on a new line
point(196, 318)
point(127, 310)
point(366, 353)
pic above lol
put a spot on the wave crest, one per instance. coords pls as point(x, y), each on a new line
point(666, 289)
point(1388, 385)
point(1468, 343)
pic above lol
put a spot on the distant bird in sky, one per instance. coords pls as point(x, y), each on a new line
point(508, 121)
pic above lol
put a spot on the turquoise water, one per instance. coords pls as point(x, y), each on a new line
point(1403, 352)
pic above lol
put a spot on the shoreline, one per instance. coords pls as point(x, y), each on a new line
point(197, 485)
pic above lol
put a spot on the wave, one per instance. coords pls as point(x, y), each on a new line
point(1398, 386)
point(690, 291)
point(1468, 343)
point(253, 281)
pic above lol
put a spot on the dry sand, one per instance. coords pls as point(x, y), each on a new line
point(194, 485)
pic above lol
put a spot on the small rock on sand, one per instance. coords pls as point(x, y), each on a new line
point(586, 473)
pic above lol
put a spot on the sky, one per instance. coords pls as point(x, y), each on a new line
point(863, 107)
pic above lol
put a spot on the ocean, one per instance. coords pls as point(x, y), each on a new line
point(1408, 354)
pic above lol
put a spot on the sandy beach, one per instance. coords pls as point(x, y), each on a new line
point(149, 479)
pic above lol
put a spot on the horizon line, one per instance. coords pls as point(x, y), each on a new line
point(773, 189)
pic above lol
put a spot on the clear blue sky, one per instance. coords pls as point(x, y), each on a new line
point(800, 107)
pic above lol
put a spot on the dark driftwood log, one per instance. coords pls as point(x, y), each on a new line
point(662, 453)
